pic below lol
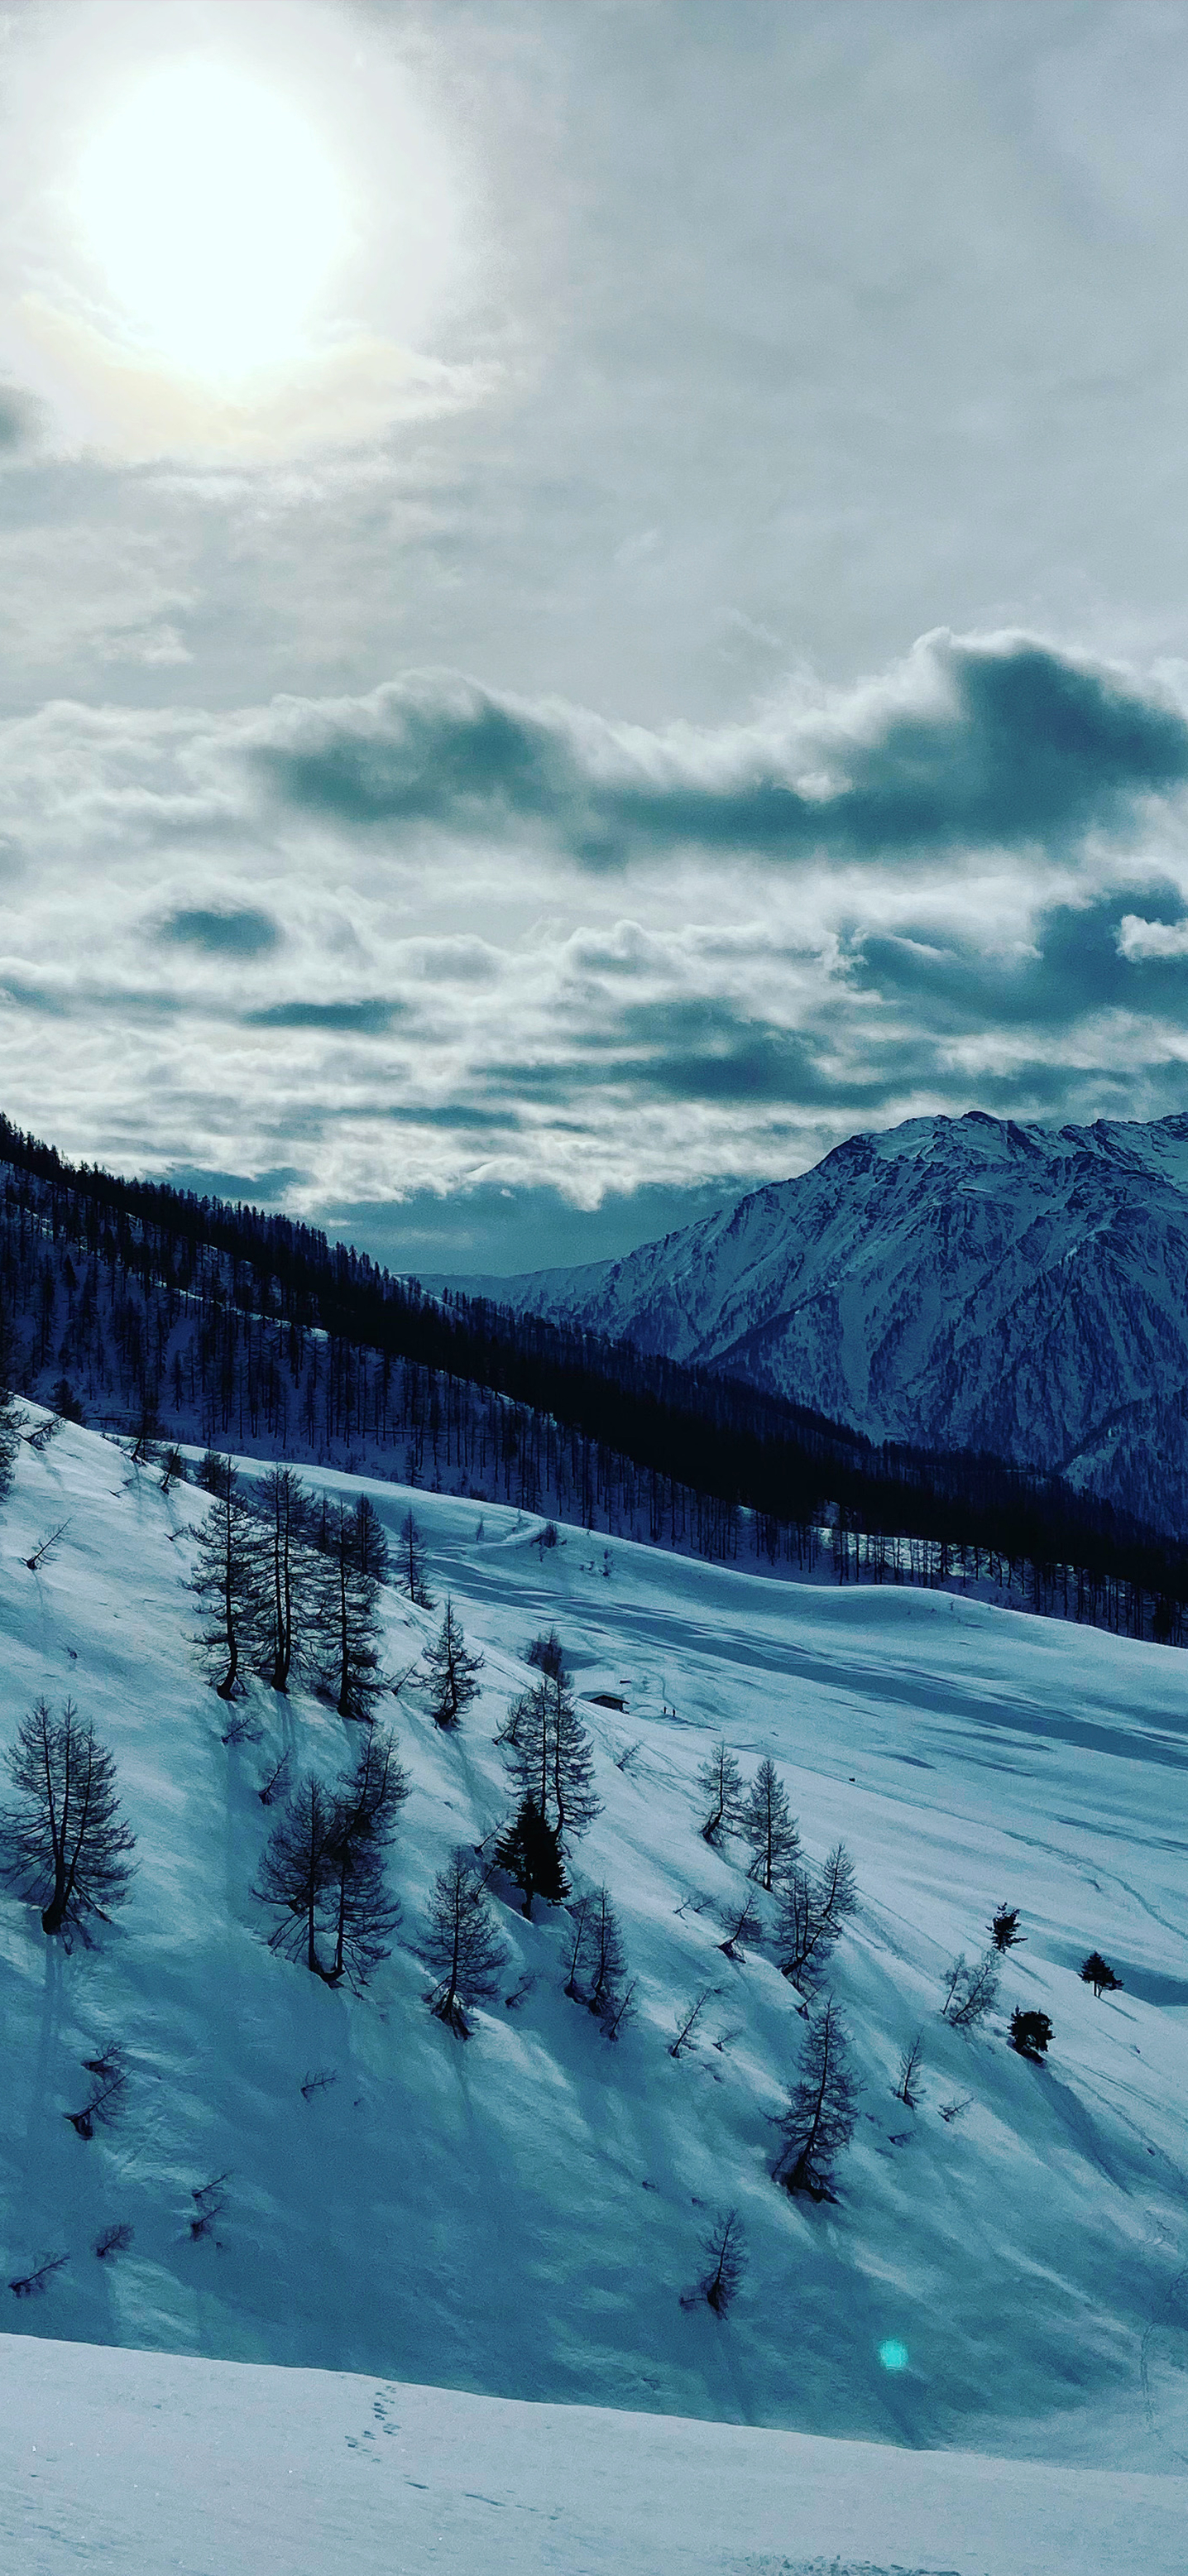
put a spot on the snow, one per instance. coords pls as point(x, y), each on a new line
point(137, 2463)
point(517, 2217)
point(952, 1282)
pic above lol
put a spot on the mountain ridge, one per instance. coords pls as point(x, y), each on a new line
point(973, 1283)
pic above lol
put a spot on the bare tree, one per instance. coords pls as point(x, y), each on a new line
point(348, 1622)
point(277, 1780)
point(688, 2019)
point(46, 1547)
point(579, 1915)
point(30, 2285)
point(720, 1782)
point(284, 1508)
point(724, 2248)
point(769, 1828)
point(113, 2240)
point(363, 1914)
point(461, 1942)
point(546, 1654)
point(911, 2057)
point(110, 2083)
point(815, 1907)
point(605, 1961)
point(228, 1579)
point(210, 2200)
point(970, 1992)
point(742, 1924)
point(822, 2108)
point(64, 1846)
point(9, 1415)
point(453, 1672)
point(411, 1563)
point(295, 1872)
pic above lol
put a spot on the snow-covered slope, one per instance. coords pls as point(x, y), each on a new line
point(958, 1282)
point(131, 2463)
point(519, 2215)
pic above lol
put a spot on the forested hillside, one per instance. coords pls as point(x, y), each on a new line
point(137, 1307)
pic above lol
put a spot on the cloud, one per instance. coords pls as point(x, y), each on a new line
point(235, 932)
point(972, 743)
point(21, 419)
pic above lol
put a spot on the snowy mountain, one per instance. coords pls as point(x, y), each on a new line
point(961, 1282)
point(520, 2214)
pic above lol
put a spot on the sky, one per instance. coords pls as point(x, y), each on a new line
point(593, 595)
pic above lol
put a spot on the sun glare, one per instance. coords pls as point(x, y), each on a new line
point(216, 216)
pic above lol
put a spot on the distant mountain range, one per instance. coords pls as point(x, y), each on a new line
point(955, 1282)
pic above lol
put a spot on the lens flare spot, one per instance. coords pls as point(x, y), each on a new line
point(893, 2355)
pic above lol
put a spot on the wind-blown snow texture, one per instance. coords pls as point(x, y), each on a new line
point(131, 2463)
point(958, 1282)
point(519, 2215)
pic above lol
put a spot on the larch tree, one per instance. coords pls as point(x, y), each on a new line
point(412, 1562)
point(550, 1756)
point(720, 1782)
point(598, 1962)
point(770, 1828)
point(64, 1845)
point(371, 1542)
point(815, 1907)
point(296, 1870)
point(229, 1578)
point(452, 1672)
point(461, 1942)
point(348, 1621)
point(9, 1434)
point(362, 1914)
point(822, 2111)
point(284, 1512)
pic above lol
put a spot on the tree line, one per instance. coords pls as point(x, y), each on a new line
point(250, 1330)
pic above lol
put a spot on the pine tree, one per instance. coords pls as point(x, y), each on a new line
point(348, 1621)
point(453, 1672)
point(1004, 1928)
point(1097, 1972)
point(822, 2109)
point(549, 1754)
point(529, 1850)
point(412, 1563)
point(461, 1942)
point(64, 1846)
point(720, 1782)
point(229, 1580)
point(769, 1828)
point(296, 1870)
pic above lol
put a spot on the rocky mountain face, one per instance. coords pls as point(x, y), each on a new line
point(957, 1282)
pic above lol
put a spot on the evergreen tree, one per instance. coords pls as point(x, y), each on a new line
point(229, 1580)
point(461, 1942)
point(549, 1754)
point(769, 1828)
point(453, 1672)
point(529, 1850)
point(1004, 1928)
point(1031, 2033)
point(296, 1869)
point(412, 1562)
point(348, 1621)
point(64, 1846)
point(720, 1782)
point(822, 2108)
point(1097, 1972)
point(546, 1655)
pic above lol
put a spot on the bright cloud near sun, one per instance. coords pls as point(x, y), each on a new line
point(244, 246)
point(217, 217)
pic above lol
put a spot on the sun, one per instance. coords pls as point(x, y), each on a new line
point(216, 216)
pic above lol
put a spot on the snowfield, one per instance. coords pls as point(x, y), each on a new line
point(518, 2216)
